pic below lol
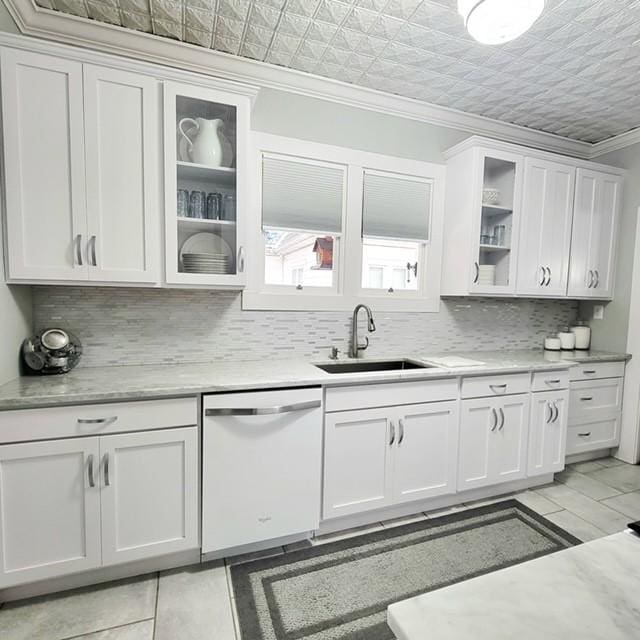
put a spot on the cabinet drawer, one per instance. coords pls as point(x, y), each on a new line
point(550, 380)
point(96, 419)
point(482, 386)
point(590, 400)
point(591, 436)
point(593, 370)
point(389, 394)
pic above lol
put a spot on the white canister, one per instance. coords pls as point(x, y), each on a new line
point(582, 333)
point(552, 343)
point(567, 339)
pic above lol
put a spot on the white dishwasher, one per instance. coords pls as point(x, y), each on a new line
point(261, 457)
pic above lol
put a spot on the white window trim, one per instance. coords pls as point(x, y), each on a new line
point(347, 290)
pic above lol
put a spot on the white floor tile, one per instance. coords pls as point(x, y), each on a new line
point(610, 462)
point(194, 603)
point(575, 526)
point(537, 503)
point(625, 477)
point(586, 484)
point(585, 467)
point(81, 611)
point(627, 503)
point(135, 631)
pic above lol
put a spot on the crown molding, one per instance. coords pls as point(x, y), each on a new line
point(90, 34)
point(616, 143)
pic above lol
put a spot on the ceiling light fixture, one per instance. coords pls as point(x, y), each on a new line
point(498, 21)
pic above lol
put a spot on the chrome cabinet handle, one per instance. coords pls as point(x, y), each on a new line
point(586, 398)
point(555, 406)
point(401, 425)
point(495, 419)
point(590, 283)
point(92, 248)
point(107, 481)
point(542, 276)
point(264, 411)
point(550, 416)
point(500, 387)
point(557, 381)
point(548, 282)
point(102, 421)
point(595, 286)
point(501, 419)
point(78, 244)
point(393, 433)
point(477, 268)
point(589, 372)
point(585, 435)
point(92, 480)
point(241, 260)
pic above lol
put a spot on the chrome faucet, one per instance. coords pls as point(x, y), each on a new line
point(355, 347)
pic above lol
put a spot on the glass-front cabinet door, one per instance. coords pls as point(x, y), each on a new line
point(205, 135)
point(498, 183)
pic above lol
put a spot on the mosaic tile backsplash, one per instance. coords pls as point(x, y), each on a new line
point(147, 326)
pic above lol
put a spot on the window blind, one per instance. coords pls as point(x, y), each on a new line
point(395, 208)
point(301, 195)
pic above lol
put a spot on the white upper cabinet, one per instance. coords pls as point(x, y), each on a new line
point(46, 220)
point(545, 229)
point(594, 236)
point(121, 141)
point(205, 183)
point(82, 171)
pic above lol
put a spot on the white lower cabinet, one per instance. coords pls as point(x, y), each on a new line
point(149, 486)
point(49, 509)
point(547, 432)
point(76, 504)
point(493, 441)
point(378, 457)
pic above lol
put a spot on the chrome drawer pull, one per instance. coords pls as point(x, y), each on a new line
point(553, 381)
point(92, 480)
point(589, 372)
point(585, 435)
point(103, 421)
point(500, 387)
point(264, 411)
point(586, 398)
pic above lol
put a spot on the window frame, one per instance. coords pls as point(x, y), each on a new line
point(347, 269)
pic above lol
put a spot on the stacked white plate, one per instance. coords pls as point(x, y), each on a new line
point(487, 274)
point(205, 262)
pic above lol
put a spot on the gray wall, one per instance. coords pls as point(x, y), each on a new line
point(7, 23)
point(611, 332)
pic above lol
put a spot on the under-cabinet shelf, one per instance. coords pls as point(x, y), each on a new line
point(200, 224)
point(494, 247)
point(193, 171)
point(495, 210)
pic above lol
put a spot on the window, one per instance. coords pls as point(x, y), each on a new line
point(302, 210)
point(396, 212)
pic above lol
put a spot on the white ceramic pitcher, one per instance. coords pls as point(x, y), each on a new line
point(205, 145)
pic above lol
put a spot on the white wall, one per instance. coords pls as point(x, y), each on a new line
point(7, 23)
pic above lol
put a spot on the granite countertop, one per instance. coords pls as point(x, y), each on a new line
point(588, 592)
point(84, 385)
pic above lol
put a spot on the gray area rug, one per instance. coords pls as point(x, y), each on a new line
point(341, 590)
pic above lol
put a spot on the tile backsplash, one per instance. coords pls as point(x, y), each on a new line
point(122, 326)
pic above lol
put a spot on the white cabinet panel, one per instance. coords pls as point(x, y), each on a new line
point(121, 138)
point(44, 166)
point(149, 487)
point(49, 512)
point(509, 452)
point(595, 228)
point(545, 230)
point(547, 432)
point(357, 473)
point(425, 457)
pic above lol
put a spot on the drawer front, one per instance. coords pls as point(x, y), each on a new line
point(590, 400)
point(591, 436)
point(550, 380)
point(97, 419)
point(483, 386)
point(390, 394)
point(594, 370)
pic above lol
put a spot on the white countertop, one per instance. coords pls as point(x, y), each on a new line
point(84, 384)
point(590, 592)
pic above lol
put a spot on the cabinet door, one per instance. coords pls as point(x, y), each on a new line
point(49, 509)
point(497, 185)
point(426, 451)
point(205, 150)
point(547, 432)
point(545, 230)
point(357, 461)
point(508, 458)
point(122, 166)
point(479, 420)
point(44, 166)
point(149, 488)
point(594, 235)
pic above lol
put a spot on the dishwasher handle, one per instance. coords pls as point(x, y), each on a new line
point(264, 411)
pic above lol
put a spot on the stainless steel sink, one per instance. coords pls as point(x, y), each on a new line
point(365, 366)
